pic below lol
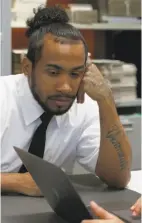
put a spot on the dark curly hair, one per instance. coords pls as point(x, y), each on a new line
point(52, 20)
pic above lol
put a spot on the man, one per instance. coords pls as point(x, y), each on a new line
point(110, 218)
point(57, 82)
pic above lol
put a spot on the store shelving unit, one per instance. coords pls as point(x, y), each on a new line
point(7, 28)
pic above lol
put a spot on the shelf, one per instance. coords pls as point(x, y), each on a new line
point(95, 26)
point(110, 26)
point(134, 103)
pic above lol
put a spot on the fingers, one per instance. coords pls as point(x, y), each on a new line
point(137, 203)
point(95, 69)
point(100, 212)
point(80, 94)
point(92, 68)
point(136, 208)
point(91, 76)
point(89, 54)
point(89, 61)
point(89, 58)
point(82, 88)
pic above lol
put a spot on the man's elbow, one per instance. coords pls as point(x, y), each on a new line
point(119, 181)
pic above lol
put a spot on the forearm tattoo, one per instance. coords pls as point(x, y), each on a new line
point(112, 137)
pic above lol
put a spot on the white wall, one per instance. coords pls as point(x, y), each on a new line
point(5, 48)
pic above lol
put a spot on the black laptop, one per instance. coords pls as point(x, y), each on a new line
point(59, 192)
point(56, 188)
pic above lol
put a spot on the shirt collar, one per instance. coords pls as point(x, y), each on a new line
point(30, 108)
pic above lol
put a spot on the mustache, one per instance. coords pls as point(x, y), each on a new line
point(60, 96)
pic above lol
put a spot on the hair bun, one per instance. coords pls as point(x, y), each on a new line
point(45, 16)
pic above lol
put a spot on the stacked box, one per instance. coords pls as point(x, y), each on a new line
point(83, 17)
point(121, 76)
point(130, 8)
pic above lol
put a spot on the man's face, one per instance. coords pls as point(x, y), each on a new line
point(56, 77)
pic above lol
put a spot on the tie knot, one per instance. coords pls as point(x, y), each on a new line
point(45, 118)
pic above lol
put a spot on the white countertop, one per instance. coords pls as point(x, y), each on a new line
point(135, 183)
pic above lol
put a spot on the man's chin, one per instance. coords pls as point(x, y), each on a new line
point(47, 108)
point(59, 111)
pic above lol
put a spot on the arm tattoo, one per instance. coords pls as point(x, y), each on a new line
point(112, 137)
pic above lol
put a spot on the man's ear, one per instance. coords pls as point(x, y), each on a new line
point(26, 66)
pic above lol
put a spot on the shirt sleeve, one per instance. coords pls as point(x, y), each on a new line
point(89, 142)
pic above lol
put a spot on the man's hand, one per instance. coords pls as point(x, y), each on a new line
point(20, 183)
point(137, 207)
point(29, 186)
point(103, 215)
point(93, 84)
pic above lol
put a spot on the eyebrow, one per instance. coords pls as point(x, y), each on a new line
point(61, 68)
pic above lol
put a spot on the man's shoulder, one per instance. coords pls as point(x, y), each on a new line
point(8, 83)
point(8, 89)
point(11, 79)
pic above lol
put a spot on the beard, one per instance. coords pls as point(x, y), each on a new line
point(44, 104)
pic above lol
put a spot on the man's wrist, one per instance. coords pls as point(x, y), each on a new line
point(10, 182)
point(106, 101)
point(107, 108)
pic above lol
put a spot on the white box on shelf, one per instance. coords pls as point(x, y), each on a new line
point(24, 8)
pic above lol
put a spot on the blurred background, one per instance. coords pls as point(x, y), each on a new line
point(112, 30)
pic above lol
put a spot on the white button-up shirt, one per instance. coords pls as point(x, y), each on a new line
point(74, 136)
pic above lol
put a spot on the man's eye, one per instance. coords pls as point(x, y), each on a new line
point(74, 74)
point(52, 72)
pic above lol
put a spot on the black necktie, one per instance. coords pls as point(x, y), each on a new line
point(37, 145)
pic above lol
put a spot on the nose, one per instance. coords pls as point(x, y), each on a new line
point(64, 84)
